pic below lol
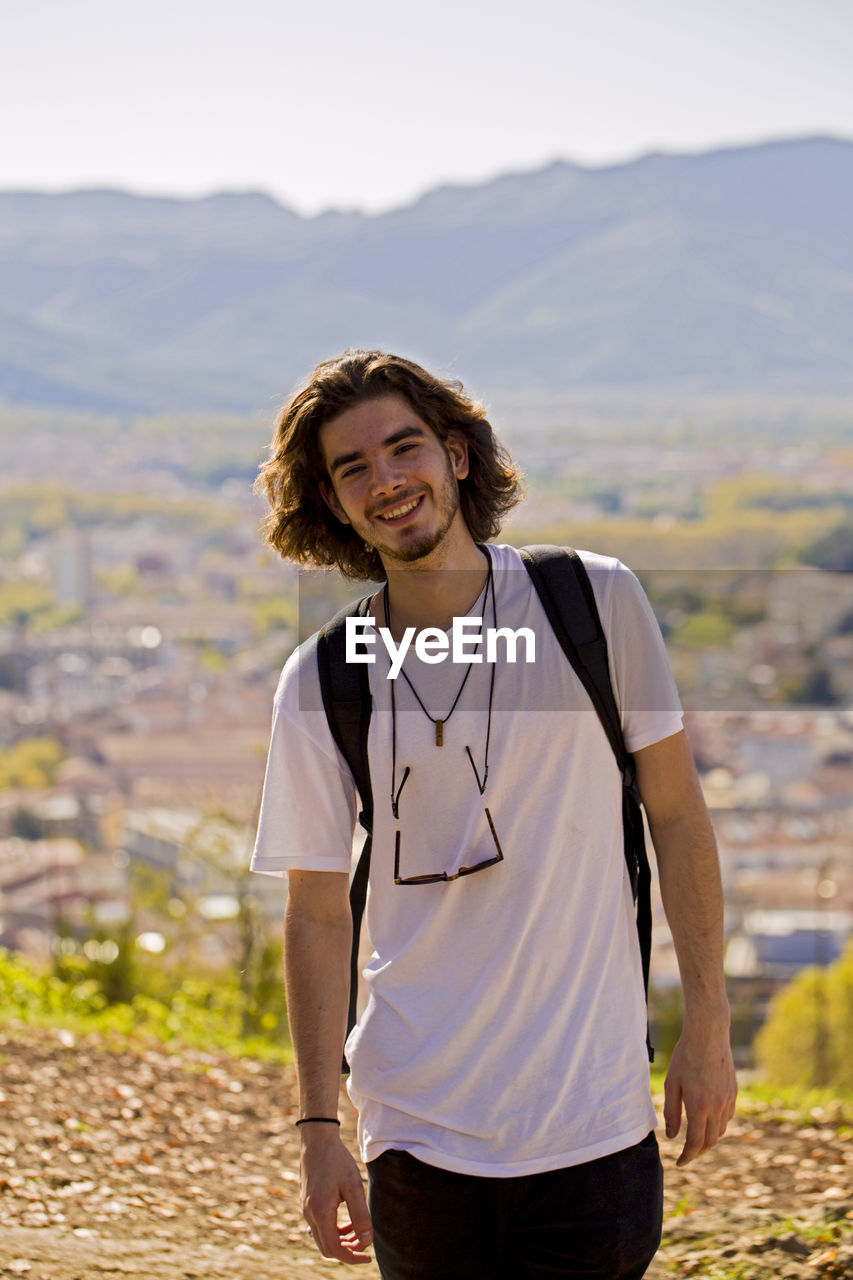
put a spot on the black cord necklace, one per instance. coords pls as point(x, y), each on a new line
point(440, 723)
point(481, 782)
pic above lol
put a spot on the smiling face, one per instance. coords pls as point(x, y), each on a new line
point(393, 480)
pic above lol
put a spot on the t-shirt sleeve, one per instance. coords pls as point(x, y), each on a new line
point(308, 807)
point(643, 684)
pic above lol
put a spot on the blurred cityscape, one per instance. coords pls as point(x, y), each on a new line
point(143, 626)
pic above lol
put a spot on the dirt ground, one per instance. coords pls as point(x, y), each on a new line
point(149, 1165)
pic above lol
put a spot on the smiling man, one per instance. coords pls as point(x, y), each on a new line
point(499, 1069)
point(399, 488)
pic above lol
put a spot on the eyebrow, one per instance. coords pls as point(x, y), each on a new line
point(402, 433)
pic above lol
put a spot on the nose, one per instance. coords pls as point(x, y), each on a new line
point(386, 476)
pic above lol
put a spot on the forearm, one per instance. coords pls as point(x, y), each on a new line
point(317, 942)
point(689, 870)
point(701, 1075)
point(692, 895)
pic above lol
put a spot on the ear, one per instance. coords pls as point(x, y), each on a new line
point(330, 498)
point(457, 450)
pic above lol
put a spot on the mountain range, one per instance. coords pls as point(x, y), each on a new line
point(729, 271)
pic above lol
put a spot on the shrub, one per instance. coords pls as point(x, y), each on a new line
point(807, 1040)
point(199, 1010)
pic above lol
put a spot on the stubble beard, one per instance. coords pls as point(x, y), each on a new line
point(446, 505)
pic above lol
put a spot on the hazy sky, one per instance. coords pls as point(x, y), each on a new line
point(334, 103)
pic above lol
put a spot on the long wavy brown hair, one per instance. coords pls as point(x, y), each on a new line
point(300, 525)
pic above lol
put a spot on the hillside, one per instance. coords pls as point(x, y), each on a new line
point(151, 1165)
point(731, 270)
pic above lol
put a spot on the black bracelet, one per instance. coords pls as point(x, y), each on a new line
point(317, 1120)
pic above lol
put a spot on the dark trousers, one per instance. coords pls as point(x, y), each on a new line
point(601, 1219)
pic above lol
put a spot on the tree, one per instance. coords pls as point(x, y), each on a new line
point(807, 1039)
point(30, 763)
point(833, 551)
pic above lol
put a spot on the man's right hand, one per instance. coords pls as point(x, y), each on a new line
point(330, 1177)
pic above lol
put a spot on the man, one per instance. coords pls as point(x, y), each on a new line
point(499, 1070)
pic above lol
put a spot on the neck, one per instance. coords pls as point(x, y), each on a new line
point(422, 595)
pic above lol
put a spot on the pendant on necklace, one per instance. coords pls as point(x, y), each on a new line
point(439, 733)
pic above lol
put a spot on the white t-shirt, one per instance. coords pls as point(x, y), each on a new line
point(504, 1032)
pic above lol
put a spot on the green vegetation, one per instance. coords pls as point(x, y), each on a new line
point(706, 629)
point(790, 1104)
point(752, 520)
point(666, 1013)
point(814, 689)
point(807, 1040)
point(833, 550)
point(41, 510)
point(215, 468)
point(108, 990)
point(121, 581)
point(22, 601)
point(758, 492)
point(753, 538)
point(211, 657)
point(30, 763)
point(793, 1104)
point(275, 613)
point(168, 973)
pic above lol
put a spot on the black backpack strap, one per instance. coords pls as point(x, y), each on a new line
point(345, 688)
point(565, 591)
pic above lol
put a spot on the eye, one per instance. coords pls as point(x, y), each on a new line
point(410, 444)
point(351, 471)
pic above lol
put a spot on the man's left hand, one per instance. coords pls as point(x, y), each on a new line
point(701, 1076)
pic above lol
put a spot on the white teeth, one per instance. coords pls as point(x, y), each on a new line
point(399, 511)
